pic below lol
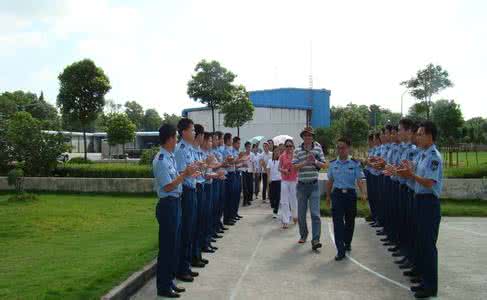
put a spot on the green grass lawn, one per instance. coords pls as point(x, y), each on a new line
point(467, 158)
point(449, 208)
point(73, 246)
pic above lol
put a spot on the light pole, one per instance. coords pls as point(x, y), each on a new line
point(402, 100)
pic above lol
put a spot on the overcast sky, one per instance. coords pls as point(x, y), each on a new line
point(362, 50)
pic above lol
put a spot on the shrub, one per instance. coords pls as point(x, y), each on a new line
point(104, 170)
point(148, 155)
point(23, 198)
point(79, 161)
point(470, 172)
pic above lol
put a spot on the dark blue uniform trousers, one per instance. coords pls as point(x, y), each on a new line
point(208, 229)
point(228, 197)
point(237, 192)
point(199, 236)
point(344, 210)
point(188, 221)
point(168, 214)
point(215, 190)
point(428, 228)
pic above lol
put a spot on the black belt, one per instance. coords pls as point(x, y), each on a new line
point(344, 191)
point(308, 183)
point(170, 198)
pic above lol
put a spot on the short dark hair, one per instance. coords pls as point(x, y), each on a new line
point(377, 136)
point(166, 131)
point(388, 127)
point(184, 124)
point(236, 139)
point(414, 127)
point(218, 134)
point(394, 127)
point(406, 123)
point(289, 140)
point(198, 129)
point(247, 144)
point(207, 135)
point(227, 137)
point(430, 128)
point(345, 140)
point(270, 141)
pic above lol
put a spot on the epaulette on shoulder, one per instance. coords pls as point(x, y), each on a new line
point(161, 156)
point(182, 146)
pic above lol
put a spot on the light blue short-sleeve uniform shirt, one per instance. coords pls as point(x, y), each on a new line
point(345, 173)
point(430, 166)
point(165, 172)
point(184, 157)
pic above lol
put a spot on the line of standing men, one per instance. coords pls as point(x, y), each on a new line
point(198, 184)
point(404, 180)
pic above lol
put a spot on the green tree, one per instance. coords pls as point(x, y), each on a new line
point(418, 111)
point(4, 155)
point(447, 115)
point(135, 112)
point(428, 82)
point(326, 137)
point(120, 130)
point(475, 131)
point(171, 119)
point(83, 87)
point(151, 121)
point(239, 110)
point(28, 145)
point(211, 85)
point(7, 106)
point(352, 125)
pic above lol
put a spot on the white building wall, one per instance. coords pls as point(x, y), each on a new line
point(268, 122)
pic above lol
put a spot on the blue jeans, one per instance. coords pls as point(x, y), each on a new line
point(309, 193)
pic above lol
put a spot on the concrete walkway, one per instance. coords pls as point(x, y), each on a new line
point(259, 260)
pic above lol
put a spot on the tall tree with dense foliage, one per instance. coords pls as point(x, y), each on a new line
point(28, 145)
point(239, 110)
point(151, 121)
point(475, 131)
point(120, 130)
point(447, 115)
point(211, 84)
point(135, 112)
point(426, 83)
point(171, 119)
point(82, 91)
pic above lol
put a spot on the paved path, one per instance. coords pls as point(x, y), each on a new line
point(259, 260)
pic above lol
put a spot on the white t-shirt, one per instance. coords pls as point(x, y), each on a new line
point(273, 165)
point(262, 156)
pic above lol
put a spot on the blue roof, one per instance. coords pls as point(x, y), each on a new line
point(316, 100)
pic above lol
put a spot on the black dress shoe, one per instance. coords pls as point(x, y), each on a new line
point(179, 289)
point(168, 294)
point(216, 236)
point(316, 245)
point(416, 280)
point(239, 216)
point(205, 261)
point(348, 248)
point(393, 249)
point(384, 240)
point(381, 233)
point(213, 241)
point(185, 278)
point(213, 248)
point(194, 274)
point(375, 226)
point(400, 262)
point(207, 250)
point(416, 288)
point(405, 266)
point(424, 293)
point(198, 264)
point(397, 254)
point(224, 228)
point(229, 223)
point(339, 257)
point(411, 273)
point(388, 244)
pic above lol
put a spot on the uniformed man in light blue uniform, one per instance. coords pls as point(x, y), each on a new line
point(343, 174)
point(167, 184)
point(428, 177)
point(185, 157)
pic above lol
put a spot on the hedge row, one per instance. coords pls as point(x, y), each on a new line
point(470, 172)
point(104, 170)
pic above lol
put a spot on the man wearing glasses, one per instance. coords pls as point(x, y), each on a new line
point(308, 160)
